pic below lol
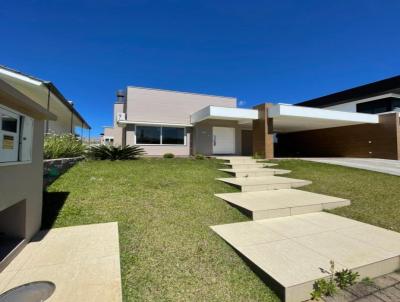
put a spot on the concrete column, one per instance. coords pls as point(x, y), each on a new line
point(263, 143)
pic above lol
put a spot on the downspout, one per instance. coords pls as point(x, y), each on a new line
point(82, 132)
point(89, 136)
point(72, 117)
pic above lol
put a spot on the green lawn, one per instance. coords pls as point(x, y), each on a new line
point(164, 208)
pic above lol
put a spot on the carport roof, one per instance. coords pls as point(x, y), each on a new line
point(289, 118)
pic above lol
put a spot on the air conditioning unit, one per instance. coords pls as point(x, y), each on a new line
point(121, 116)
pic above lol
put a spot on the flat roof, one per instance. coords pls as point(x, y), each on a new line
point(356, 93)
point(224, 113)
point(183, 92)
point(290, 118)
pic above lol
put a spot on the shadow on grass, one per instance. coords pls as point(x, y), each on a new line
point(52, 204)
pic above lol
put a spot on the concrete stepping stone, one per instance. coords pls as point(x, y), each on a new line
point(249, 172)
point(237, 159)
point(292, 252)
point(281, 203)
point(263, 183)
point(248, 165)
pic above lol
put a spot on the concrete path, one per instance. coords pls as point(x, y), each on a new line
point(387, 166)
point(281, 203)
point(291, 252)
point(262, 183)
point(82, 261)
point(295, 251)
point(249, 172)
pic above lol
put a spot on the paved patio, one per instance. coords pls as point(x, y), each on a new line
point(387, 166)
point(82, 261)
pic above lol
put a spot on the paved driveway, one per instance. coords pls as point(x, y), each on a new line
point(387, 166)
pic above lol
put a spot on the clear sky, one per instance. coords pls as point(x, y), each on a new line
point(257, 51)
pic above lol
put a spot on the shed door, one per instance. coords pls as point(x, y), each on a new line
point(223, 140)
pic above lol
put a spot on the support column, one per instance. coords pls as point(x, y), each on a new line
point(263, 142)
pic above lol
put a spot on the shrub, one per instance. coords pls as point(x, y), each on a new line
point(169, 155)
point(61, 146)
point(346, 278)
point(104, 152)
point(199, 156)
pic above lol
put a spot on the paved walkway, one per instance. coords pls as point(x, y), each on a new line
point(387, 166)
point(294, 251)
point(382, 289)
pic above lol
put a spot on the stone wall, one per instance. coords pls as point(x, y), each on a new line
point(53, 168)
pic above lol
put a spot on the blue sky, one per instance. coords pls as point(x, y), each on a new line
point(257, 51)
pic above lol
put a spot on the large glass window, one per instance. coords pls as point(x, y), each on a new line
point(148, 135)
point(173, 136)
point(159, 135)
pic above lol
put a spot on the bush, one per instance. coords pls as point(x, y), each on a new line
point(169, 155)
point(62, 146)
point(104, 152)
point(199, 156)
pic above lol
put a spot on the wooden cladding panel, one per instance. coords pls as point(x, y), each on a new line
point(366, 140)
point(262, 133)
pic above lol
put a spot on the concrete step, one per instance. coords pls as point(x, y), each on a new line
point(237, 159)
point(248, 165)
point(250, 172)
point(263, 183)
point(291, 253)
point(281, 203)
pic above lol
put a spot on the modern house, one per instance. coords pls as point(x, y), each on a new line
point(22, 123)
point(46, 94)
point(359, 122)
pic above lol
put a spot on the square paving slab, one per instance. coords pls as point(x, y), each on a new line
point(250, 184)
point(292, 252)
point(281, 203)
point(250, 172)
point(248, 165)
point(82, 261)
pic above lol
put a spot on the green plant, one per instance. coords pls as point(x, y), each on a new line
point(346, 278)
point(323, 288)
point(168, 155)
point(199, 156)
point(62, 146)
point(103, 152)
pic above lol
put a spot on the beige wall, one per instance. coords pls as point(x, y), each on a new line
point(20, 182)
point(152, 105)
point(116, 133)
point(203, 135)
point(158, 150)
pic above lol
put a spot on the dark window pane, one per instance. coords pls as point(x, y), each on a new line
point(173, 136)
point(9, 123)
point(148, 135)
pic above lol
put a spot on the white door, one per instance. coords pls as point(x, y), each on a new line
point(223, 140)
point(9, 136)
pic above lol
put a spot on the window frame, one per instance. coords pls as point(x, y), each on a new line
point(19, 133)
point(161, 135)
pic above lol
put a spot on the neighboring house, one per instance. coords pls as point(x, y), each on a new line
point(48, 96)
point(359, 122)
point(22, 123)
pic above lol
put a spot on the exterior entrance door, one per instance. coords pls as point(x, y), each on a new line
point(247, 142)
point(223, 140)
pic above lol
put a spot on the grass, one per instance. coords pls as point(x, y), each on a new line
point(164, 208)
point(375, 197)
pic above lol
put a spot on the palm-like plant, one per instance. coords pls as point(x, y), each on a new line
point(103, 152)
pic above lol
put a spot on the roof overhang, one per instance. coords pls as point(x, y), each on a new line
point(242, 116)
point(126, 122)
point(38, 90)
point(289, 118)
point(12, 98)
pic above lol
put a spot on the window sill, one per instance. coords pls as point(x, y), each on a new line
point(15, 163)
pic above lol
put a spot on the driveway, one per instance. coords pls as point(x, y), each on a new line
point(387, 166)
